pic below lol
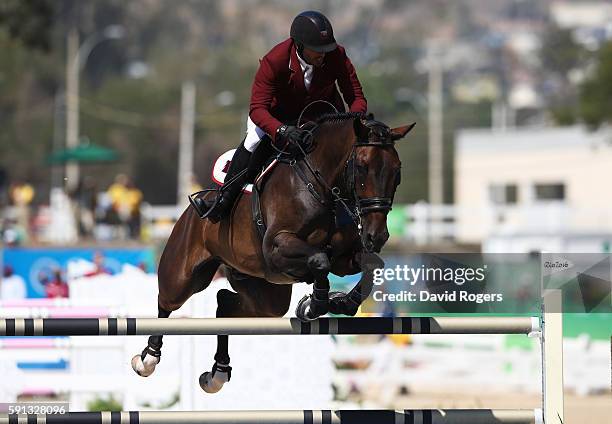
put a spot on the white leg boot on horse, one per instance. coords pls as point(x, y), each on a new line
point(144, 364)
point(213, 381)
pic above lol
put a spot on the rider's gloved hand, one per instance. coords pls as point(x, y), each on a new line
point(289, 137)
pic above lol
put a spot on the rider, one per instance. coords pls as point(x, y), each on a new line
point(308, 66)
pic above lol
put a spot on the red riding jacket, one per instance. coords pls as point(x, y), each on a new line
point(279, 95)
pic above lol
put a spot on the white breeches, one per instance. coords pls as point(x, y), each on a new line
point(254, 134)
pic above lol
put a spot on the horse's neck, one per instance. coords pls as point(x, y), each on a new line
point(333, 148)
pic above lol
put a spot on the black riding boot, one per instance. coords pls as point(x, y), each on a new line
point(229, 193)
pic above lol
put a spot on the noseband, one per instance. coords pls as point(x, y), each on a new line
point(379, 135)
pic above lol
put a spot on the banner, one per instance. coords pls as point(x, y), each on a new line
point(37, 267)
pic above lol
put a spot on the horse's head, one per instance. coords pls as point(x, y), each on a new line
point(373, 173)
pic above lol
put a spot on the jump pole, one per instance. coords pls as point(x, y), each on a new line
point(265, 326)
point(550, 329)
point(436, 416)
point(552, 357)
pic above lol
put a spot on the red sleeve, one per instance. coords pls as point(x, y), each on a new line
point(351, 87)
point(262, 95)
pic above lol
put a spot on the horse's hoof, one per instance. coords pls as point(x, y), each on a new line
point(213, 382)
point(340, 304)
point(207, 383)
point(144, 368)
point(302, 311)
point(307, 310)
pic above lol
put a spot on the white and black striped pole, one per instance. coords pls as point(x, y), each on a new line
point(449, 416)
point(265, 326)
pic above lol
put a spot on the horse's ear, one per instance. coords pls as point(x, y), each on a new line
point(400, 132)
point(361, 131)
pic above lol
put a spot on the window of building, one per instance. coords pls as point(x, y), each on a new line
point(503, 194)
point(554, 191)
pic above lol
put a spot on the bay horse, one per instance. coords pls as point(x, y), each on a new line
point(353, 171)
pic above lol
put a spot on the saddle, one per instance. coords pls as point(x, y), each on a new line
point(222, 164)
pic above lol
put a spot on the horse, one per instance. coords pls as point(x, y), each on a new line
point(323, 210)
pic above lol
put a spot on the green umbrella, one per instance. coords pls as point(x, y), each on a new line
point(83, 153)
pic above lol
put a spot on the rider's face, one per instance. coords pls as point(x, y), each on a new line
point(313, 58)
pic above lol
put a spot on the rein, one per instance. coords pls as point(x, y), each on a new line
point(378, 136)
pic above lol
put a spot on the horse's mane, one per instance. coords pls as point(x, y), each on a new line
point(330, 122)
point(340, 117)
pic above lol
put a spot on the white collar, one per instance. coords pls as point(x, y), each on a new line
point(303, 63)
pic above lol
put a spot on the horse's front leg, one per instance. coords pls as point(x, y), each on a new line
point(291, 255)
point(348, 303)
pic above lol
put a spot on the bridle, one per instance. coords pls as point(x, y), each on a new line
point(379, 135)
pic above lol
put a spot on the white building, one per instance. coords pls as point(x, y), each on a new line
point(531, 189)
point(581, 14)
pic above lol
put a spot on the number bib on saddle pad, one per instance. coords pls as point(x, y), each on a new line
point(222, 165)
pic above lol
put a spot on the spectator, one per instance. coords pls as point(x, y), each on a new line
point(118, 192)
point(98, 260)
point(133, 201)
point(126, 200)
point(12, 234)
point(21, 195)
point(13, 286)
point(57, 287)
point(86, 201)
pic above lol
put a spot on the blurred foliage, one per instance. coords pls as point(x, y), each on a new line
point(131, 88)
point(28, 20)
point(27, 86)
point(596, 92)
point(560, 54)
point(105, 404)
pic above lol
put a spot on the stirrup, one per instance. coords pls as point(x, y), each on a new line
point(192, 200)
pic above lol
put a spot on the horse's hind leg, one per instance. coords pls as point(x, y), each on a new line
point(145, 363)
point(254, 297)
point(213, 381)
point(179, 277)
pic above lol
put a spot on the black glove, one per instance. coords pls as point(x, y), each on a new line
point(289, 137)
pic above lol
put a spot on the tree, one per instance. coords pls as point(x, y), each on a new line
point(29, 21)
point(560, 54)
point(596, 92)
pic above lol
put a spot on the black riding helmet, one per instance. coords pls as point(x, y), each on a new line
point(313, 30)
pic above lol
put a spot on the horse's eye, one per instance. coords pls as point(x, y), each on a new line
point(362, 169)
point(398, 178)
